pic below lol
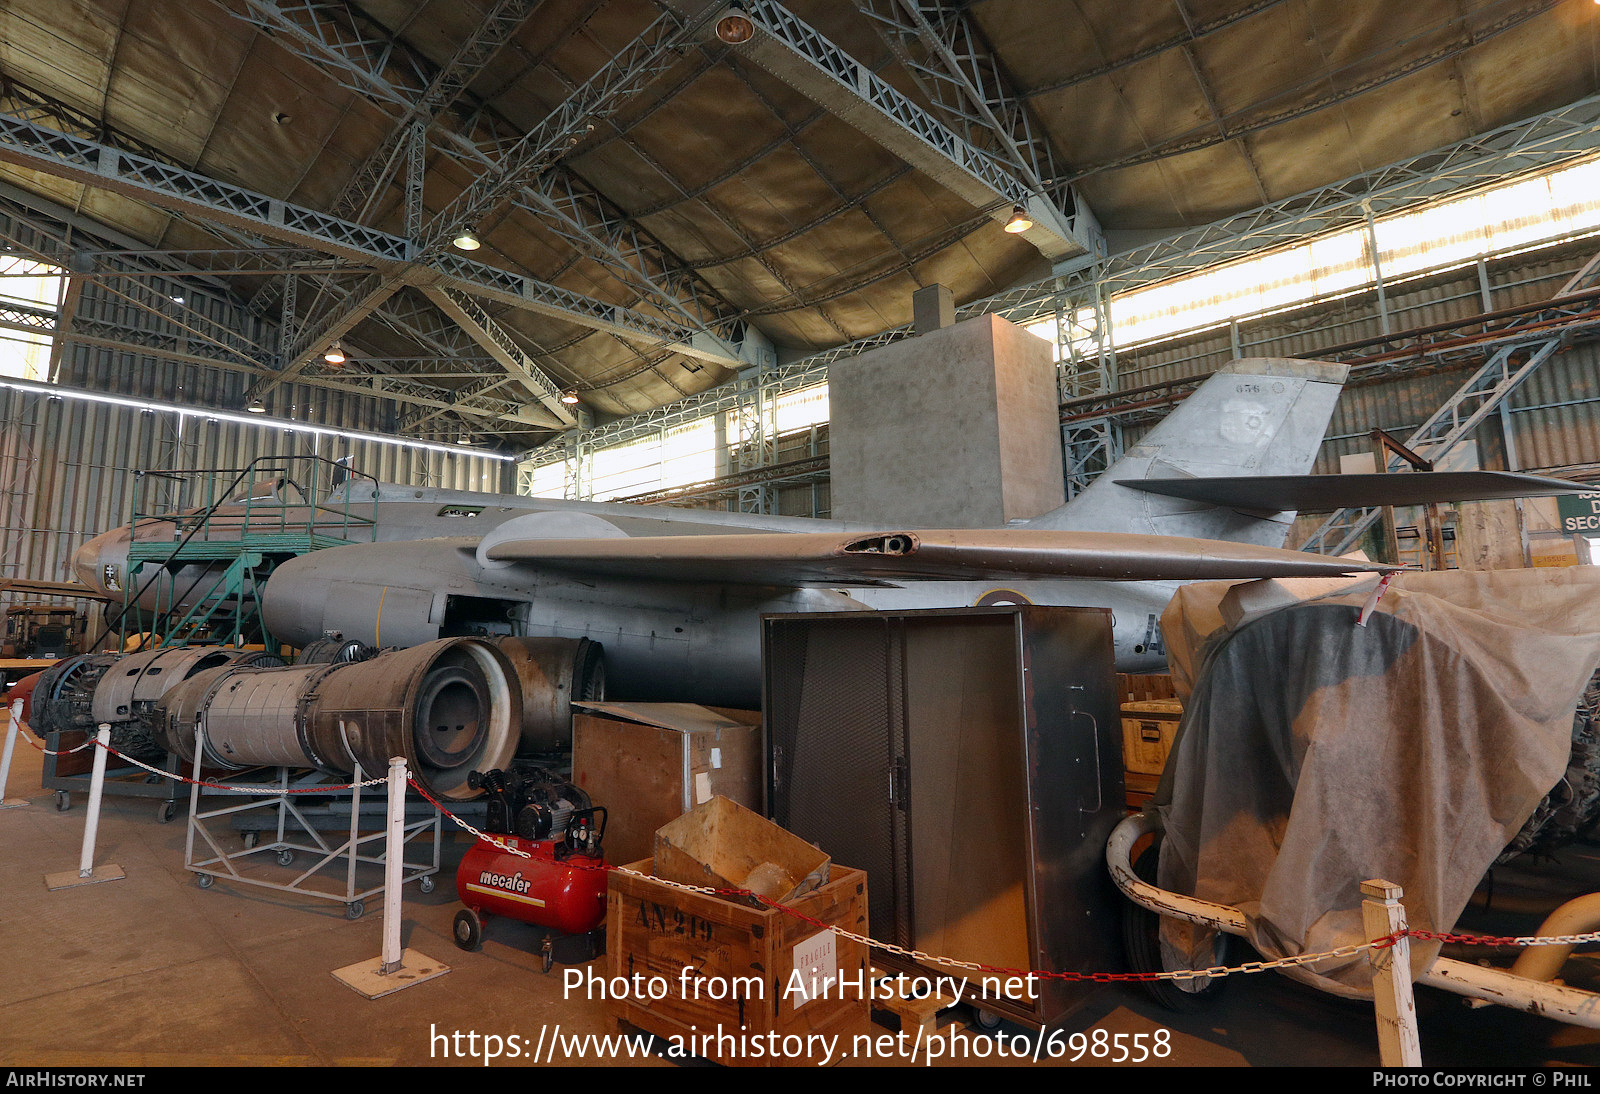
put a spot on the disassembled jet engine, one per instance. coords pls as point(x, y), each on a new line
point(450, 707)
point(333, 647)
point(553, 672)
point(123, 691)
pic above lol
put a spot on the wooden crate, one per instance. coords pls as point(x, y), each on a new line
point(1147, 732)
point(1135, 687)
point(1148, 729)
point(650, 762)
point(722, 845)
point(740, 963)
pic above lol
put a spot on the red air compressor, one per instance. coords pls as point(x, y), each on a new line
point(559, 880)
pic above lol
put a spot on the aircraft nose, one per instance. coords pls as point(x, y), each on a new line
point(102, 563)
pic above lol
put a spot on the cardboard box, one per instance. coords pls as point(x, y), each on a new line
point(649, 763)
point(723, 845)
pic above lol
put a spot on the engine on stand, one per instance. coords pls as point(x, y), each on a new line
point(124, 691)
point(544, 864)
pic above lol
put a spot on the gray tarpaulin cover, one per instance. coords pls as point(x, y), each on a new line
point(1315, 754)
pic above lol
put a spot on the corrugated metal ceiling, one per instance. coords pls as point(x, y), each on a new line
point(1163, 113)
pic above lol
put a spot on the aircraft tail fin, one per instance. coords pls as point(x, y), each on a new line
point(1257, 416)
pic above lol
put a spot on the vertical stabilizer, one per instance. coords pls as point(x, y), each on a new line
point(1258, 416)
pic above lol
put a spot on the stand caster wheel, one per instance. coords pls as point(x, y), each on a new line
point(986, 1020)
point(547, 953)
point(63, 801)
point(468, 930)
point(426, 885)
point(286, 856)
point(250, 840)
point(166, 811)
point(205, 881)
point(354, 909)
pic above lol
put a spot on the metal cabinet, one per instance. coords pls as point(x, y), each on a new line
point(969, 760)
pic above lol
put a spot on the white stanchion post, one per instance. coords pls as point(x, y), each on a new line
point(87, 873)
point(394, 968)
point(1382, 915)
point(97, 783)
point(394, 857)
point(13, 724)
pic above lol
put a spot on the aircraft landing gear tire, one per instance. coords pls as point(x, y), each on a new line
point(1141, 936)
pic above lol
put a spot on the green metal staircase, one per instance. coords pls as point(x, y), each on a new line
point(207, 563)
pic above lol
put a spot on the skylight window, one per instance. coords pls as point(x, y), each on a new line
point(30, 302)
point(1561, 204)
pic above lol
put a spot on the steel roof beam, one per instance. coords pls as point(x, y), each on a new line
point(471, 317)
point(989, 178)
point(1541, 143)
point(95, 332)
point(443, 88)
point(618, 80)
point(957, 71)
point(445, 340)
point(383, 71)
point(37, 147)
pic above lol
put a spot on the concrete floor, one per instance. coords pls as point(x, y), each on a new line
point(153, 971)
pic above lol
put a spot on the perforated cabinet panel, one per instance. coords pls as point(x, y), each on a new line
point(835, 748)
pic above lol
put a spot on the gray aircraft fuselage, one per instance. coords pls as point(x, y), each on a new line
point(664, 640)
point(429, 574)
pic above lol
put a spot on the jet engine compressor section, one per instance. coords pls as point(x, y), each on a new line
point(122, 691)
point(450, 707)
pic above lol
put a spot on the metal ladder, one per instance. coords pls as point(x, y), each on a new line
point(1453, 422)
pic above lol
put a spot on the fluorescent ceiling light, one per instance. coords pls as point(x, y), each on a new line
point(56, 393)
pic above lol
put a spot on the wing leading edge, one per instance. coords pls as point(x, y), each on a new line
point(834, 560)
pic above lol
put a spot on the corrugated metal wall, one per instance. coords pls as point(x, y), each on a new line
point(66, 465)
point(1555, 414)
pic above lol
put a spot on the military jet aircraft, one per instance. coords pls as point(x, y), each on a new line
point(675, 596)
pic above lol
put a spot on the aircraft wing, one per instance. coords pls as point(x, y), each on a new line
point(1315, 493)
point(25, 587)
point(834, 560)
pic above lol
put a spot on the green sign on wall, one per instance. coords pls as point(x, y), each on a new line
point(1580, 513)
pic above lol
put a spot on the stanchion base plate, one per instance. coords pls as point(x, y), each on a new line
point(66, 879)
point(368, 977)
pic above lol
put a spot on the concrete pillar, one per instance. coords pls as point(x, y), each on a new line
point(933, 307)
point(956, 428)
